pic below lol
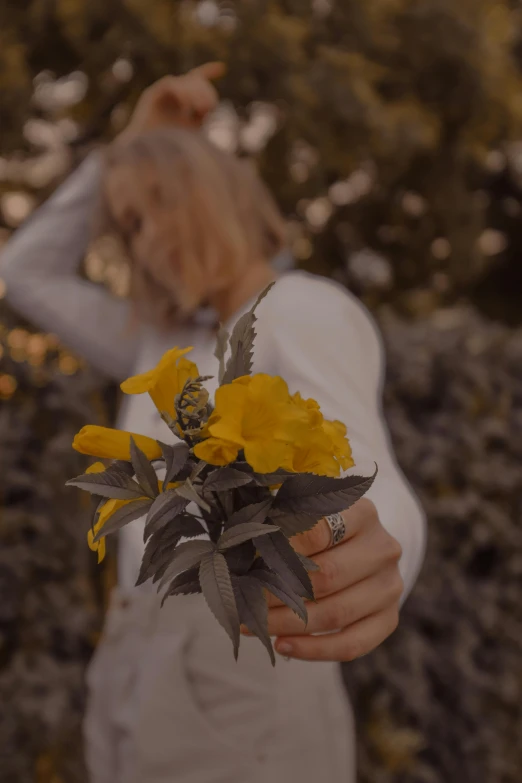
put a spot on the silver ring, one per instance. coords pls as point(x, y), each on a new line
point(337, 528)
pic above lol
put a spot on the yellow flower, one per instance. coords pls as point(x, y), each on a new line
point(96, 467)
point(311, 408)
point(165, 381)
point(108, 443)
point(336, 432)
point(108, 508)
point(216, 451)
point(322, 447)
point(313, 454)
point(254, 413)
point(99, 546)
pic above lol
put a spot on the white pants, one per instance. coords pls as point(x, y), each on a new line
point(168, 704)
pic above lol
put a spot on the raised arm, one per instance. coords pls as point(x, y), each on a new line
point(331, 350)
point(326, 347)
point(39, 266)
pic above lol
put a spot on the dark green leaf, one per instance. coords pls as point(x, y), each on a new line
point(241, 558)
point(189, 492)
point(145, 473)
point(253, 609)
point(185, 584)
point(225, 478)
point(220, 350)
point(255, 512)
point(162, 543)
point(245, 532)
point(158, 553)
point(227, 501)
point(320, 495)
point(198, 468)
point(270, 479)
point(293, 524)
point(213, 521)
point(175, 459)
point(127, 513)
point(165, 508)
point(97, 504)
point(190, 526)
point(281, 558)
point(242, 344)
point(250, 494)
point(124, 465)
point(186, 555)
point(216, 585)
point(279, 589)
point(113, 483)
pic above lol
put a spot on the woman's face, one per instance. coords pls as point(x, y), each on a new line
point(143, 219)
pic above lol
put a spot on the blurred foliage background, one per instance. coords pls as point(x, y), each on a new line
point(390, 132)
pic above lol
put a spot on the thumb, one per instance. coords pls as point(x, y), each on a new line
point(212, 70)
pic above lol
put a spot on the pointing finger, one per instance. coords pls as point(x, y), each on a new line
point(212, 70)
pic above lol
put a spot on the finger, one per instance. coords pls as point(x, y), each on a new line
point(363, 512)
point(212, 70)
point(346, 645)
point(354, 561)
point(342, 609)
point(365, 555)
point(203, 99)
point(356, 558)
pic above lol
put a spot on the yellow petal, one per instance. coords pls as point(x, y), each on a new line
point(311, 460)
point(337, 427)
point(311, 408)
point(108, 509)
point(266, 456)
point(216, 451)
point(99, 546)
point(186, 370)
point(165, 381)
point(138, 384)
point(171, 357)
point(90, 540)
point(269, 411)
point(231, 401)
point(272, 387)
point(170, 383)
point(244, 380)
point(340, 445)
point(108, 443)
point(346, 462)
point(96, 467)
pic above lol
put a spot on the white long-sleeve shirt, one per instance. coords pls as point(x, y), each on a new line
point(312, 332)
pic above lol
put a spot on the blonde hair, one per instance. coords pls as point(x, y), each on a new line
point(222, 213)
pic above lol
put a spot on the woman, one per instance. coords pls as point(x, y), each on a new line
point(167, 701)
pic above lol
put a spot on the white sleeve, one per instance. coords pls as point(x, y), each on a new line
point(39, 266)
point(327, 347)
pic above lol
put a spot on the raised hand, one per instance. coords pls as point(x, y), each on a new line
point(183, 101)
point(358, 588)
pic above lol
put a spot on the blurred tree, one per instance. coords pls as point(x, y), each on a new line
point(385, 124)
point(389, 132)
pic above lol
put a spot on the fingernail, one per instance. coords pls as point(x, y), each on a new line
point(244, 630)
point(284, 648)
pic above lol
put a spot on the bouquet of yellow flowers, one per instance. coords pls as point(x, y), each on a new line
point(222, 502)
